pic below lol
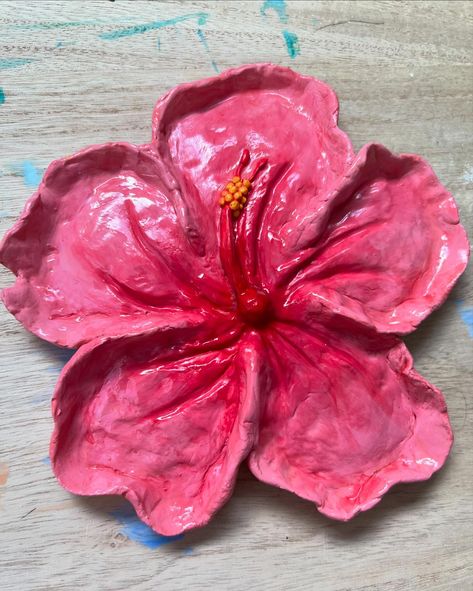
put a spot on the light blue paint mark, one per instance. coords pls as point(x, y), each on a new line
point(59, 44)
point(279, 6)
point(468, 175)
point(153, 26)
point(215, 67)
point(46, 461)
point(4, 214)
point(466, 314)
point(292, 44)
point(31, 174)
point(2, 96)
point(137, 531)
point(15, 62)
point(41, 398)
point(188, 551)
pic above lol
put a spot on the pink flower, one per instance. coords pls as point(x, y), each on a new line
point(206, 338)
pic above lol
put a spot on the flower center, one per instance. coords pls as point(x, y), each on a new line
point(235, 195)
point(253, 304)
point(254, 307)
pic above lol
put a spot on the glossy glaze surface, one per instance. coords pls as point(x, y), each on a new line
point(204, 338)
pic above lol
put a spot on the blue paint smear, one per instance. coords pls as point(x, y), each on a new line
point(41, 398)
point(292, 44)
point(4, 214)
point(279, 6)
point(7, 64)
point(153, 26)
point(215, 67)
point(46, 460)
point(137, 531)
point(2, 96)
point(188, 551)
point(466, 314)
point(31, 174)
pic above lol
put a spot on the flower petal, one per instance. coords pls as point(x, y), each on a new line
point(202, 128)
point(347, 417)
point(99, 250)
point(389, 246)
point(163, 418)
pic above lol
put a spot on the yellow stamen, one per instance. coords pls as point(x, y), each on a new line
point(235, 194)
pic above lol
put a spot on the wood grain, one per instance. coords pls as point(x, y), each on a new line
point(403, 73)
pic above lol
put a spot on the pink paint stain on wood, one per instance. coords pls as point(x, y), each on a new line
point(4, 471)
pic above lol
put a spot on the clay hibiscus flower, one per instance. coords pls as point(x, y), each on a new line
point(236, 287)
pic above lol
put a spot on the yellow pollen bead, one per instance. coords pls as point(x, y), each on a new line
point(224, 193)
point(244, 200)
point(228, 197)
point(236, 213)
point(247, 183)
point(243, 190)
point(237, 195)
point(235, 179)
point(221, 201)
point(238, 184)
point(241, 205)
point(234, 205)
point(231, 188)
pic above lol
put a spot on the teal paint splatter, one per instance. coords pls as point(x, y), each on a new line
point(137, 531)
point(203, 40)
point(31, 174)
point(292, 44)
point(466, 314)
point(7, 64)
point(279, 6)
point(155, 25)
point(2, 96)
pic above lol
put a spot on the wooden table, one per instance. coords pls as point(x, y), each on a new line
point(69, 77)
